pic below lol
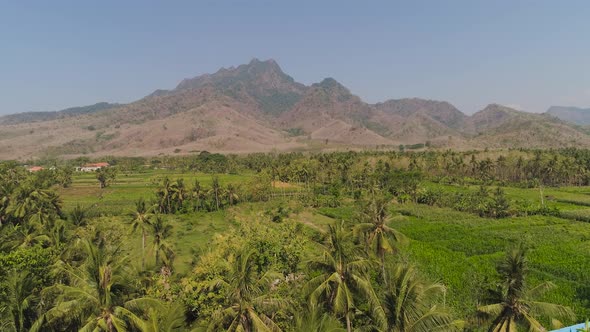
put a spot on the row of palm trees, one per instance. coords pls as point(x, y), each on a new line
point(146, 221)
point(175, 196)
point(100, 295)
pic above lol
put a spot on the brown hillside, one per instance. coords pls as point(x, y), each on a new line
point(257, 107)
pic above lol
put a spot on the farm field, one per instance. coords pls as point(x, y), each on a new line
point(456, 248)
point(195, 236)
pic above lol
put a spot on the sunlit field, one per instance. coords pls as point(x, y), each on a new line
point(458, 249)
point(179, 236)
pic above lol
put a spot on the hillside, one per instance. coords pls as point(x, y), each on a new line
point(256, 107)
point(498, 126)
point(28, 117)
point(579, 116)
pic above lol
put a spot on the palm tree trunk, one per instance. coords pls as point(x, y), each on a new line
point(348, 322)
point(157, 247)
point(216, 200)
point(382, 258)
point(143, 250)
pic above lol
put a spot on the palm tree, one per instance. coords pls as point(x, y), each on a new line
point(197, 195)
point(216, 191)
point(313, 319)
point(161, 231)
point(35, 204)
point(231, 194)
point(17, 300)
point(410, 303)
point(247, 297)
point(26, 235)
point(178, 195)
point(105, 176)
point(515, 303)
point(376, 233)
point(6, 190)
point(78, 215)
point(343, 270)
point(586, 327)
point(95, 297)
point(141, 221)
point(58, 233)
point(164, 194)
point(157, 316)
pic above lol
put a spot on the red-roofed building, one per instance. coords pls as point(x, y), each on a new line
point(34, 169)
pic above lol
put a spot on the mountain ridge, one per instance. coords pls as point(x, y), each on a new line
point(17, 118)
point(576, 115)
point(256, 107)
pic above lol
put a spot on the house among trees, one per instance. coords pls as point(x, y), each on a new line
point(34, 169)
point(92, 167)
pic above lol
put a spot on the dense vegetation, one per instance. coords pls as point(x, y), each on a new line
point(377, 241)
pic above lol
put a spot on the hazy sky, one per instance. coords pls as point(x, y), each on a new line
point(528, 54)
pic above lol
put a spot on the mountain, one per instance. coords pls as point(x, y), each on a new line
point(439, 111)
point(262, 82)
point(47, 116)
point(256, 107)
point(498, 126)
point(579, 116)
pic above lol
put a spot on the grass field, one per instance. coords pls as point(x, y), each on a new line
point(119, 197)
point(459, 249)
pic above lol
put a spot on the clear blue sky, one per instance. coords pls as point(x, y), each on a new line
point(531, 54)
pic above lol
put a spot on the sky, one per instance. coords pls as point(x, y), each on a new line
point(525, 54)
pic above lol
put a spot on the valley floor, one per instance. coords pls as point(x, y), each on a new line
point(458, 249)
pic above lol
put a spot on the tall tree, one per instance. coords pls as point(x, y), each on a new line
point(516, 304)
point(343, 278)
point(157, 316)
point(164, 196)
point(18, 299)
point(248, 297)
point(142, 222)
point(78, 215)
point(375, 232)
point(26, 235)
point(29, 203)
point(231, 194)
point(95, 298)
point(216, 191)
point(410, 303)
point(105, 176)
point(161, 231)
point(63, 176)
point(179, 194)
point(314, 319)
point(197, 196)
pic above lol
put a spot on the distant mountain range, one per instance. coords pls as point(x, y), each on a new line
point(47, 116)
point(256, 107)
point(579, 116)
